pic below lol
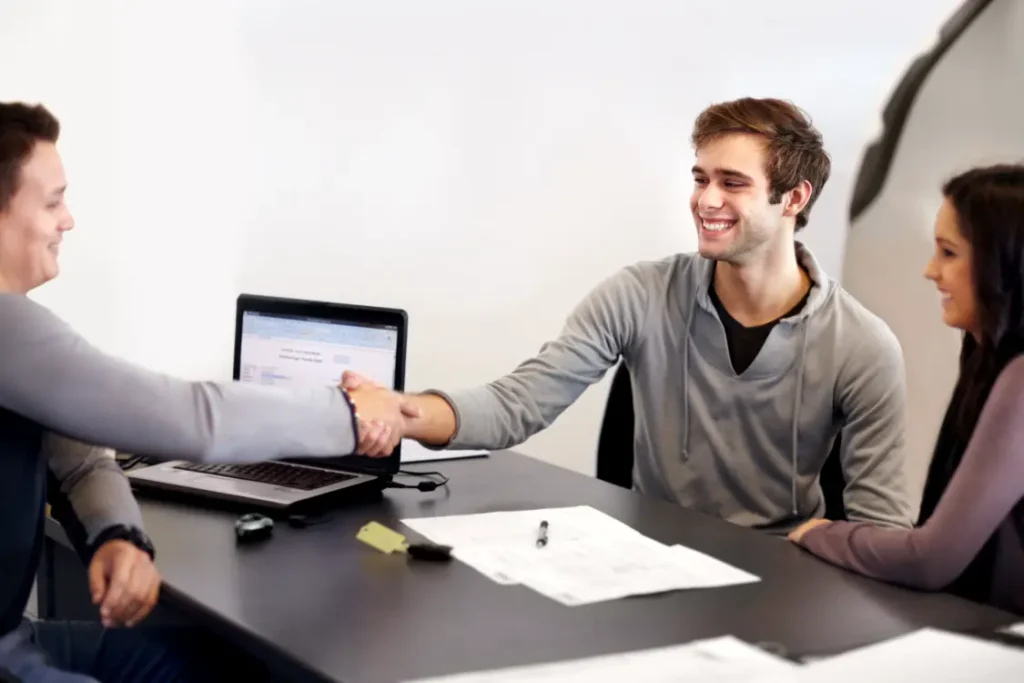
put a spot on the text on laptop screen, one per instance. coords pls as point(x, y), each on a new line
point(304, 352)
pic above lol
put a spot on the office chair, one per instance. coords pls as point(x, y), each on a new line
point(615, 443)
point(615, 448)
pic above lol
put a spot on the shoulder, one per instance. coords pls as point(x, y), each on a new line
point(863, 338)
point(22, 318)
point(645, 277)
point(1009, 386)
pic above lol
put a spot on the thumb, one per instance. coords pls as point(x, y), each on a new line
point(409, 408)
point(352, 380)
point(97, 579)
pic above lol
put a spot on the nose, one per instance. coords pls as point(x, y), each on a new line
point(931, 271)
point(67, 222)
point(709, 197)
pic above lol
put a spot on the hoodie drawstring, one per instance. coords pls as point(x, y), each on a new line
point(796, 410)
point(686, 380)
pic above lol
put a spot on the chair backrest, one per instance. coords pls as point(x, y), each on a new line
point(615, 444)
point(615, 448)
point(833, 483)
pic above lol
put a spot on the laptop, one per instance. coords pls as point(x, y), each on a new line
point(298, 344)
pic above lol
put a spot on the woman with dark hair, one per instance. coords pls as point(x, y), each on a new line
point(970, 534)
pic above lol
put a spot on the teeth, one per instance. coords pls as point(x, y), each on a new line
point(716, 226)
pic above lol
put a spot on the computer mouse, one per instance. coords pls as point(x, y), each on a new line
point(253, 526)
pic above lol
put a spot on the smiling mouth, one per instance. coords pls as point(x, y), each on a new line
point(716, 225)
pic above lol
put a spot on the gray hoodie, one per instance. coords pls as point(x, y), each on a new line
point(747, 448)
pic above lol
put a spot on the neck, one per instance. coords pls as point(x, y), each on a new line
point(758, 292)
point(6, 287)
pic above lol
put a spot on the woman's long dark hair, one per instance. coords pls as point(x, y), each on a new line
point(989, 205)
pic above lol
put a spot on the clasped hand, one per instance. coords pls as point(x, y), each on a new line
point(382, 415)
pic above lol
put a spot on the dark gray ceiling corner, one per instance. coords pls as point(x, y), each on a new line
point(878, 156)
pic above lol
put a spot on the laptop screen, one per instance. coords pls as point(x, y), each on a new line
point(300, 352)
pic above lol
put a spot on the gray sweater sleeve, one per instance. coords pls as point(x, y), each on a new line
point(508, 411)
point(987, 485)
point(95, 485)
point(872, 398)
point(51, 375)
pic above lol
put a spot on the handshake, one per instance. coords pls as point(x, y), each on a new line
point(383, 416)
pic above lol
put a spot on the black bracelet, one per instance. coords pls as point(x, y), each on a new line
point(122, 532)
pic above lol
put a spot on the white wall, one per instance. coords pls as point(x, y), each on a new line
point(958, 120)
point(481, 164)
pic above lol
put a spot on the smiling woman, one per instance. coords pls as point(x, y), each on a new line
point(971, 535)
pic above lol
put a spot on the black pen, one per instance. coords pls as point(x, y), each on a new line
point(542, 535)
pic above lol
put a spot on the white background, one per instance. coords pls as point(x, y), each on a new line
point(480, 164)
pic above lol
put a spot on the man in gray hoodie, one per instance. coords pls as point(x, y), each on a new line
point(746, 360)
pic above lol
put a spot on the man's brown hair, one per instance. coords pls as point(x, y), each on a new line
point(794, 146)
point(21, 127)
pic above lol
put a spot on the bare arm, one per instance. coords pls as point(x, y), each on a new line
point(985, 488)
point(51, 375)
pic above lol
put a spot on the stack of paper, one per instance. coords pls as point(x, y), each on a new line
point(925, 655)
point(589, 557)
point(718, 660)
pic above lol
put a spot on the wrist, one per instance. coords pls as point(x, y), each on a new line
point(123, 532)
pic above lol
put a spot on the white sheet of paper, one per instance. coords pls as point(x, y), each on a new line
point(1016, 629)
point(924, 655)
point(718, 660)
point(414, 451)
point(590, 556)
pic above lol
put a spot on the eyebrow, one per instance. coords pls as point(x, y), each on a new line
point(59, 191)
point(727, 172)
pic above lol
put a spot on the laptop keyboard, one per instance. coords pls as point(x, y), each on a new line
point(273, 473)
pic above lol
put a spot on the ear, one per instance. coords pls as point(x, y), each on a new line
point(797, 198)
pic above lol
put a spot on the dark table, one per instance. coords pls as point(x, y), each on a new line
point(319, 605)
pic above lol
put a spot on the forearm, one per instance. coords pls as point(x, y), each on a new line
point(873, 402)
point(54, 377)
point(436, 424)
point(97, 489)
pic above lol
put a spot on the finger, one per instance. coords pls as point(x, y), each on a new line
point(117, 590)
point(380, 446)
point(352, 380)
point(145, 584)
point(364, 437)
point(368, 437)
point(97, 580)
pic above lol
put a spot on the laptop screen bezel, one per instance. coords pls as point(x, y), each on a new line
point(341, 313)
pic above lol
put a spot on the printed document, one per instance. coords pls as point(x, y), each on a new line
point(717, 660)
point(588, 556)
point(925, 655)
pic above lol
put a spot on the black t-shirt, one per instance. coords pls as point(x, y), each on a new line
point(746, 342)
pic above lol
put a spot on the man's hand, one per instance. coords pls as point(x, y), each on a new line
point(429, 419)
point(798, 533)
point(382, 415)
point(124, 582)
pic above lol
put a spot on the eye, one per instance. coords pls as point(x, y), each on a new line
point(733, 183)
point(700, 181)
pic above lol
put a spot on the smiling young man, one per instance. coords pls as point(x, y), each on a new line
point(746, 360)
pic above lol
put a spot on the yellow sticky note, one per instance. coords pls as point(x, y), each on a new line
point(382, 538)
